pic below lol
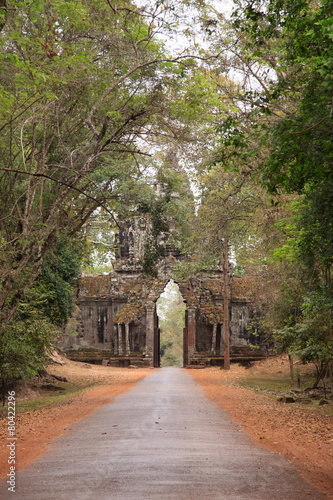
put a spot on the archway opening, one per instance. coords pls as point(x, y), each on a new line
point(171, 319)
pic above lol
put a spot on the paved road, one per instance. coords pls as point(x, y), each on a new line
point(162, 440)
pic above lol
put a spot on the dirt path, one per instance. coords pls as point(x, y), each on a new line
point(35, 429)
point(162, 440)
point(303, 437)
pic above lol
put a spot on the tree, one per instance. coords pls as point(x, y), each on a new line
point(315, 240)
point(47, 305)
point(300, 152)
point(301, 139)
point(311, 338)
point(25, 343)
point(228, 204)
point(56, 287)
point(278, 128)
point(278, 118)
point(81, 86)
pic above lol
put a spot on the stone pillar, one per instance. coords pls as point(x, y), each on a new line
point(185, 347)
point(150, 327)
point(116, 341)
point(191, 325)
point(213, 349)
point(127, 343)
point(120, 340)
point(93, 328)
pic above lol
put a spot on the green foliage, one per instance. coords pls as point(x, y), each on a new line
point(283, 131)
point(152, 253)
point(316, 234)
point(154, 249)
point(171, 212)
point(55, 285)
point(47, 303)
point(310, 339)
point(300, 138)
point(23, 348)
point(199, 262)
point(80, 82)
point(100, 234)
point(228, 201)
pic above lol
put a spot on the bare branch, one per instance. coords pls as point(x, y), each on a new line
point(22, 112)
point(62, 182)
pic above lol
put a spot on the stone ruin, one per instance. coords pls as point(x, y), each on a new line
point(118, 322)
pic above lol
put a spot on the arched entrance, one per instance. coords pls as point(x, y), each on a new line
point(171, 310)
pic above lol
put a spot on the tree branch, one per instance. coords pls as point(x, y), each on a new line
point(61, 182)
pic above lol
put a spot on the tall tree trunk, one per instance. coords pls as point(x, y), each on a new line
point(292, 373)
point(225, 259)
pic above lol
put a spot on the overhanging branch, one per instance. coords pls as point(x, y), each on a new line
point(61, 182)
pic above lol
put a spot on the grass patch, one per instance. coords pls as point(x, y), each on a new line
point(49, 400)
point(267, 382)
point(279, 380)
point(44, 400)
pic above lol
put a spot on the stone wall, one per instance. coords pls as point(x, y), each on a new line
point(118, 318)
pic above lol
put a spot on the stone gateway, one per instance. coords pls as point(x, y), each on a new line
point(118, 321)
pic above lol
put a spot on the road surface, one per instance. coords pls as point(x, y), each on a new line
point(162, 440)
